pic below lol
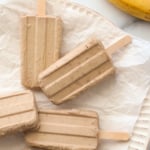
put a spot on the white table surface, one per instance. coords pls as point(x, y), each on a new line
point(124, 21)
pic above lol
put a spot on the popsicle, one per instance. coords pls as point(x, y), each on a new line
point(78, 70)
point(41, 42)
point(17, 112)
point(70, 130)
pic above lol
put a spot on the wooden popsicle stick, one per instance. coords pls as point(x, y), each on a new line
point(119, 44)
point(116, 136)
point(41, 8)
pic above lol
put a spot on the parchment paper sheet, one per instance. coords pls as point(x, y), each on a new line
point(117, 99)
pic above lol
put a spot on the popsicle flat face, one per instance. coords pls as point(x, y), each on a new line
point(41, 42)
point(65, 130)
point(17, 112)
point(80, 69)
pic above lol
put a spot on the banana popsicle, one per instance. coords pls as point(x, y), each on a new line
point(70, 130)
point(17, 112)
point(41, 42)
point(78, 70)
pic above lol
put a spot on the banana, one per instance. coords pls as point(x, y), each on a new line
point(137, 8)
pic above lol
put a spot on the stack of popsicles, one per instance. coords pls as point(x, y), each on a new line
point(61, 79)
point(52, 129)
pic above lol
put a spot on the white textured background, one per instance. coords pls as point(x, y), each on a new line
point(124, 21)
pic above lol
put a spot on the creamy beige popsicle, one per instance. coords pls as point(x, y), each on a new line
point(70, 130)
point(41, 42)
point(17, 112)
point(78, 70)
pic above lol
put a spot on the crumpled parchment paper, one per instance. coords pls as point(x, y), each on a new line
point(117, 99)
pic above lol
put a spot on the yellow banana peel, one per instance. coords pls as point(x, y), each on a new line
point(137, 8)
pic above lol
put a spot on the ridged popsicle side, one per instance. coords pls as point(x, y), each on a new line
point(41, 43)
point(67, 129)
point(78, 70)
point(17, 112)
